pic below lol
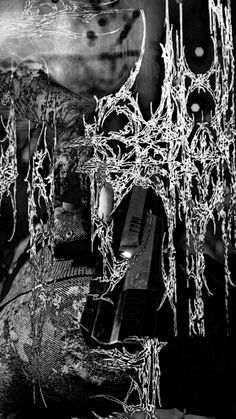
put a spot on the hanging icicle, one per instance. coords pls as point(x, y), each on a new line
point(8, 162)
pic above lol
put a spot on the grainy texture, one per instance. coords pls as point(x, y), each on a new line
point(56, 360)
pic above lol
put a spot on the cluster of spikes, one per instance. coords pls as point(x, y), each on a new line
point(188, 165)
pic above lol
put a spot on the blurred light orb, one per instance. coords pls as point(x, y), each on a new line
point(195, 107)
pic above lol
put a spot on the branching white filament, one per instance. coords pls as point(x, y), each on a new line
point(146, 365)
point(8, 162)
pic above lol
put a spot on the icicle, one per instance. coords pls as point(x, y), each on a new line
point(8, 162)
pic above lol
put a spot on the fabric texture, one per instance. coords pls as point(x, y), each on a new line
point(43, 352)
point(72, 226)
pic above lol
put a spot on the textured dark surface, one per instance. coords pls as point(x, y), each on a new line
point(44, 350)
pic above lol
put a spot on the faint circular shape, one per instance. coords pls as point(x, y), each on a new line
point(195, 107)
point(136, 14)
point(102, 21)
point(69, 234)
point(199, 52)
point(208, 118)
